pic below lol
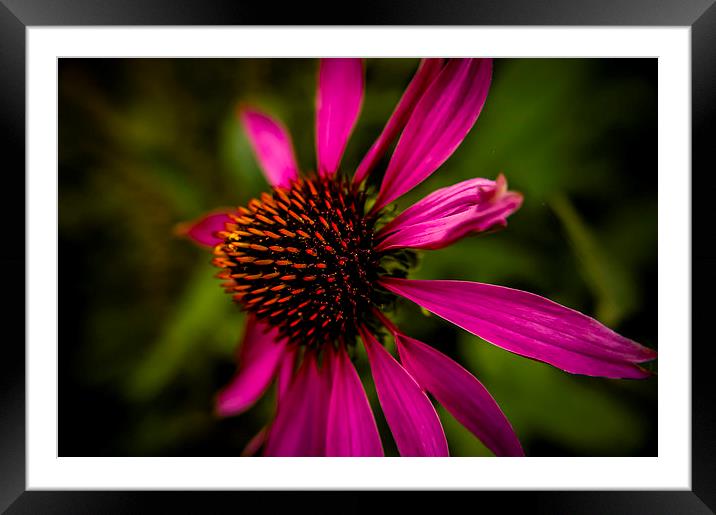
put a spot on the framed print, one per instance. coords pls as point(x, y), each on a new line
point(441, 249)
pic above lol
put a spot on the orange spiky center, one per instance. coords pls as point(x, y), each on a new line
point(302, 259)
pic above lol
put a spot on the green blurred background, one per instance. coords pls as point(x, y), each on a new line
point(147, 337)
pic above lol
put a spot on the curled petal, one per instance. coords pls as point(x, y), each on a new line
point(204, 230)
point(451, 213)
point(529, 325)
point(411, 416)
point(441, 120)
point(461, 394)
point(272, 146)
point(338, 102)
point(351, 425)
point(300, 425)
point(260, 355)
point(427, 71)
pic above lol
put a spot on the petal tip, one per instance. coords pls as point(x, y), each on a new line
point(223, 407)
point(203, 230)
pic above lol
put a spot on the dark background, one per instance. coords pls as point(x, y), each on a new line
point(146, 336)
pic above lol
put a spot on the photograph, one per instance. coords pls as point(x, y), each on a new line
point(315, 257)
point(357, 257)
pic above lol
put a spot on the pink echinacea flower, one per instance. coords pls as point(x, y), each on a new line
point(317, 264)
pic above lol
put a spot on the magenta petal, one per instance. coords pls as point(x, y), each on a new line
point(351, 425)
point(529, 325)
point(255, 443)
point(451, 213)
point(272, 146)
point(461, 394)
point(284, 375)
point(427, 71)
point(411, 416)
point(259, 357)
point(441, 120)
point(300, 425)
point(338, 102)
point(204, 230)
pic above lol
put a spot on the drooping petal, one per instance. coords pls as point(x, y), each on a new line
point(272, 146)
point(529, 325)
point(441, 120)
point(451, 213)
point(260, 354)
point(204, 230)
point(351, 426)
point(461, 394)
point(427, 71)
point(338, 102)
point(300, 425)
point(411, 416)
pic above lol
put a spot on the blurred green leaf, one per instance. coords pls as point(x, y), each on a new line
point(461, 442)
point(613, 288)
point(240, 165)
point(201, 308)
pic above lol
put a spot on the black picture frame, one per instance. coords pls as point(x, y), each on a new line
point(17, 15)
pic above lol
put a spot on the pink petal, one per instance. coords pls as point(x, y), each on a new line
point(300, 425)
point(529, 325)
point(461, 394)
point(255, 443)
point(427, 71)
point(204, 230)
point(351, 426)
point(411, 416)
point(284, 376)
point(272, 146)
point(441, 120)
point(259, 357)
point(451, 213)
point(338, 102)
